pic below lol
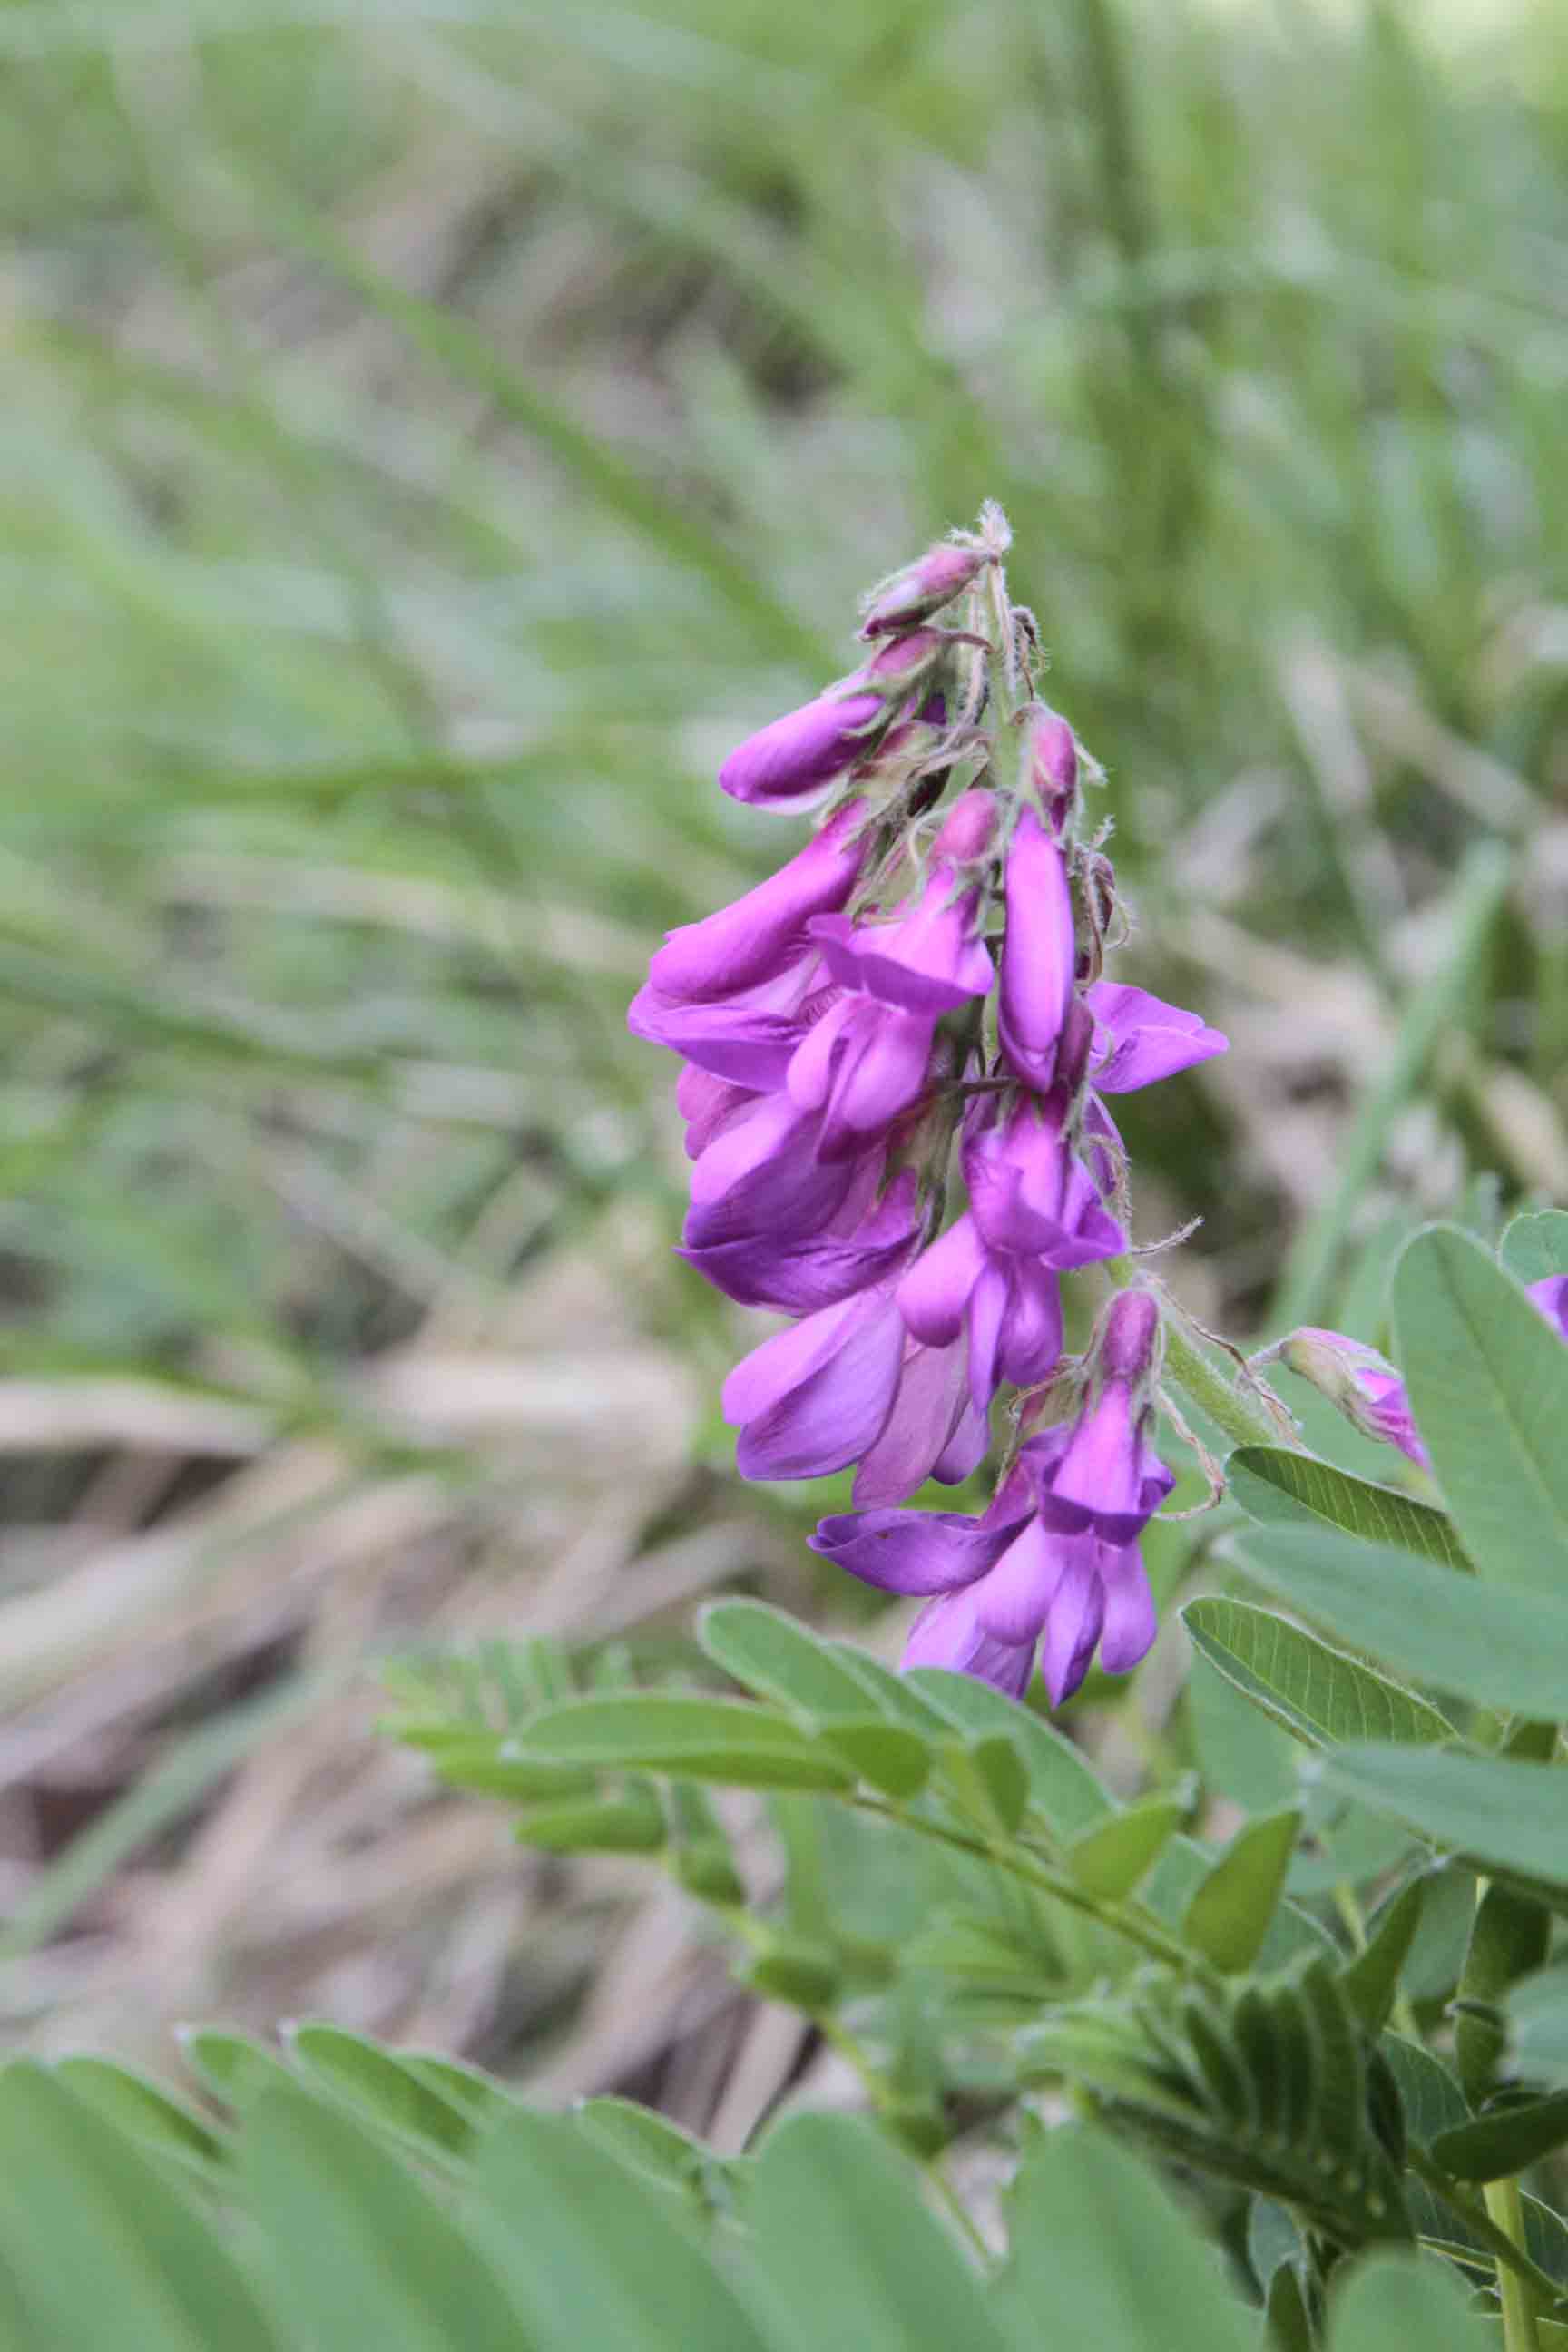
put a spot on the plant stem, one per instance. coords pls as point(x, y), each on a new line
point(1145, 1934)
point(1503, 2204)
point(1507, 2250)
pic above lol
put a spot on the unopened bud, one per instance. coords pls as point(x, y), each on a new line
point(965, 836)
point(920, 588)
point(901, 663)
point(1129, 1336)
point(1053, 762)
point(1363, 1384)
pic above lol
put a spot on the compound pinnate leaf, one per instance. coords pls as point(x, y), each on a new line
point(778, 1659)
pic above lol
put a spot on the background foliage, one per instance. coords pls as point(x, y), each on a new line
point(432, 436)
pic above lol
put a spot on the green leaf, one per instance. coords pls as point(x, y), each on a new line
point(1480, 1641)
point(1489, 1384)
point(888, 1755)
point(1229, 1915)
point(1063, 1788)
point(1102, 2258)
point(1489, 1808)
point(593, 2255)
point(1318, 1694)
point(1496, 2144)
point(633, 1822)
point(1401, 2299)
point(494, 1767)
point(1509, 1939)
point(986, 1777)
point(236, 2069)
point(1110, 1860)
point(1371, 1979)
point(893, 1695)
point(1283, 1487)
point(1285, 2311)
point(380, 2087)
point(708, 1738)
point(1536, 1245)
point(654, 2146)
point(100, 2248)
point(139, 2108)
point(778, 1659)
point(1537, 2013)
point(846, 2252)
point(360, 2249)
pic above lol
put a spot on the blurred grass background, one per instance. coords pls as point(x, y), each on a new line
point(434, 432)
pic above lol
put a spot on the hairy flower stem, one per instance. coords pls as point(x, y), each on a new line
point(1243, 1418)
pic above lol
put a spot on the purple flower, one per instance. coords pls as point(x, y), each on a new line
point(1138, 1039)
point(707, 1105)
point(788, 764)
point(731, 992)
point(762, 1177)
point(866, 1058)
point(965, 836)
point(920, 588)
point(1099, 1473)
point(1040, 953)
point(845, 1385)
point(1033, 1209)
point(1001, 1588)
point(859, 1247)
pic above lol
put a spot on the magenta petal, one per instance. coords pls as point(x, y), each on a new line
point(746, 942)
point(707, 1104)
point(780, 1364)
point(934, 1293)
point(1551, 1296)
point(967, 1448)
point(1039, 952)
point(1138, 1039)
point(914, 1551)
point(837, 1412)
point(762, 1174)
point(1012, 1602)
point(801, 1276)
point(751, 1047)
point(987, 1316)
point(1131, 1624)
point(1032, 1333)
point(1096, 1483)
point(1072, 1628)
point(929, 1402)
point(949, 1634)
point(879, 1072)
point(787, 764)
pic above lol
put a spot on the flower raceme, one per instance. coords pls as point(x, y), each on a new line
point(895, 1053)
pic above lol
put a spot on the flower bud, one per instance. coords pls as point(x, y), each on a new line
point(1363, 1384)
point(790, 762)
point(965, 836)
point(1130, 1338)
point(1052, 751)
point(921, 588)
point(902, 662)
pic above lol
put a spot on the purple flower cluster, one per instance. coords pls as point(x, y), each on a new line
point(897, 1053)
point(1365, 1386)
